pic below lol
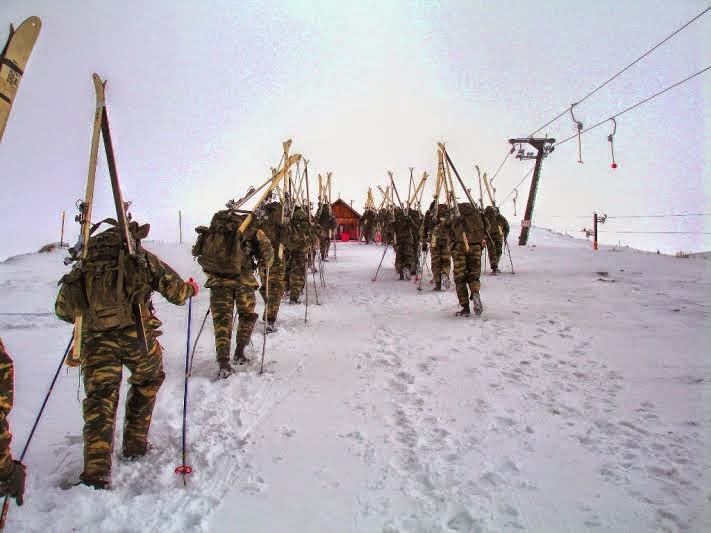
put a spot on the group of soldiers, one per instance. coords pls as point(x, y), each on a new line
point(280, 246)
point(452, 234)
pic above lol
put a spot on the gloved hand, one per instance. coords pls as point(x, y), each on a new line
point(424, 246)
point(194, 285)
point(14, 485)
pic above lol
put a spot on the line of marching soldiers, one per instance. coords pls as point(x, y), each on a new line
point(278, 248)
point(449, 236)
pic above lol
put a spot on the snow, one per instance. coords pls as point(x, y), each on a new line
point(578, 401)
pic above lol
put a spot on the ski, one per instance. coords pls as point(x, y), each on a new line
point(121, 217)
point(80, 250)
point(13, 61)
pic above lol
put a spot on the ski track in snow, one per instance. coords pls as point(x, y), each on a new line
point(560, 409)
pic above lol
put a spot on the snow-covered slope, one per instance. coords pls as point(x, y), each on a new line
point(579, 400)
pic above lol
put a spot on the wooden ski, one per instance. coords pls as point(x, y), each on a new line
point(13, 62)
point(84, 216)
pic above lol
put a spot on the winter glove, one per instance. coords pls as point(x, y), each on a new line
point(195, 286)
point(14, 485)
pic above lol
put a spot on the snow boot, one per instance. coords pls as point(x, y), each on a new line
point(402, 276)
point(130, 454)
point(464, 311)
point(446, 283)
point(271, 327)
point(476, 304)
point(225, 370)
point(239, 357)
point(100, 483)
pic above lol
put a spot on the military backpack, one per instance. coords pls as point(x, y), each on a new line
point(218, 248)
point(104, 286)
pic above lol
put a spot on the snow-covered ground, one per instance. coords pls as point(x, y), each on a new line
point(580, 400)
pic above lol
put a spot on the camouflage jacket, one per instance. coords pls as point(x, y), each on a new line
point(7, 385)
point(162, 278)
point(257, 248)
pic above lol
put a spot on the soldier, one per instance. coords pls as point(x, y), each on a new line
point(494, 238)
point(299, 241)
point(328, 223)
point(404, 257)
point(504, 227)
point(273, 227)
point(415, 219)
point(110, 341)
point(12, 473)
point(436, 231)
point(367, 225)
point(384, 220)
point(468, 230)
point(228, 258)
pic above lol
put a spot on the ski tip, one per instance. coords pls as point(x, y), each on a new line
point(35, 22)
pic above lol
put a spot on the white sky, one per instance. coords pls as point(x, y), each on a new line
point(201, 95)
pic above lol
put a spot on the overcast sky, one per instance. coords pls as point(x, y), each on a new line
point(201, 95)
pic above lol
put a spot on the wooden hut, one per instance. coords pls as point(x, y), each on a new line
point(347, 221)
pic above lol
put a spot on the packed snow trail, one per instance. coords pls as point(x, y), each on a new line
point(577, 401)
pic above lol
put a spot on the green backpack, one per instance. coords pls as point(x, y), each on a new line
point(218, 248)
point(471, 222)
point(105, 285)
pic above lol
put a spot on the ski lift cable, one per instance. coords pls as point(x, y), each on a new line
point(519, 184)
point(564, 112)
point(634, 106)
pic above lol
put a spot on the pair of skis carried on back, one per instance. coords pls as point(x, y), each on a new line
point(80, 251)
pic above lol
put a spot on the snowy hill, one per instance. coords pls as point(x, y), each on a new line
point(578, 401)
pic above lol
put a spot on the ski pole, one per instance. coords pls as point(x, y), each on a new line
point(264, 341)
point(313, 275)
point(381, 263)
point(6, 503)
point(192, 354)
point(184, 469)
point(306, 288)
point(506, 241)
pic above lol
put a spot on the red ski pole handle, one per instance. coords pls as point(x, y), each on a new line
point(184, 469)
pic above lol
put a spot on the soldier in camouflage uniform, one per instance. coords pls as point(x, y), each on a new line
point(328, 224)
point(384, 220)
point(104, 352)
point(468, 232)
point(367, 225)
point(271, 225)
point(299, 241)
point(404, 256)
point(230, 292)
point(12, 473)
point(504, 227)
point(436, 230)
point(415, 218)
point(494, 238)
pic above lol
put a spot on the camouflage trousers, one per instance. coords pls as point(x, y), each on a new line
point(467, 270)
point(103, 356)
point(494, 248)
point(223, 301)
point(324, 246)
point(277, 279)
point(441, 260)
point(404, 256)
point(296, 275)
